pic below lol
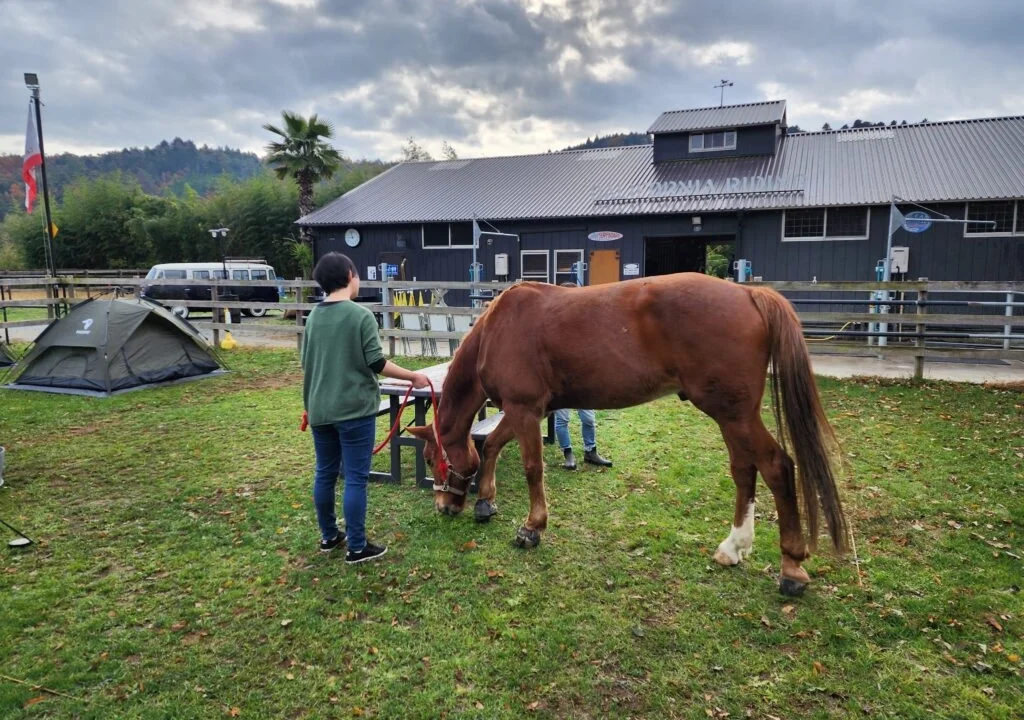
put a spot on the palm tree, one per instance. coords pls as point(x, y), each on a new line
point(304, 153)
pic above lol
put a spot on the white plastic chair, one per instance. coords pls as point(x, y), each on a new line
point(460, 324)
point(410, 321)
point(437, 323)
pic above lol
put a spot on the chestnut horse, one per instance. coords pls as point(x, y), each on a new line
point(541, 347)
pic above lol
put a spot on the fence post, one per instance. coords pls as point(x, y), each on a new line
point(217, 317)
point(3, 303)
point(49, 305)
point(388, 317)
point(922, 308)
point(1008, 313)
point(300, 293)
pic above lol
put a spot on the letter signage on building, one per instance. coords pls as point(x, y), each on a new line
point(604, 236)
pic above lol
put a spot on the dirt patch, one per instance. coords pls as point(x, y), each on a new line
point(1013, 386)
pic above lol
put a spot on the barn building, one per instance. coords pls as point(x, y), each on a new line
point(800, 206)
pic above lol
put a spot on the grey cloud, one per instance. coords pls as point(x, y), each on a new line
point(217, 85)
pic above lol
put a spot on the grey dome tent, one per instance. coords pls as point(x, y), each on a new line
point(5, 357)
point(107, 346)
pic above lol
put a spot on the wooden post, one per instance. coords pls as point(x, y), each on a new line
point(300, 293)
point(922, 297)
point(388, 317)
point(217, 317)
point(1007, 328)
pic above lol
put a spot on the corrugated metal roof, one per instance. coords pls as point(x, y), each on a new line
point(932, 162)
point(714, 118)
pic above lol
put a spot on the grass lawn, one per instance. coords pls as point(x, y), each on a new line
point(176, 573)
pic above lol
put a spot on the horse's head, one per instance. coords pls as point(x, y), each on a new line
point(454, 469)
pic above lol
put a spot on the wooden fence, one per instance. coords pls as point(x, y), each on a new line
point(921, 319)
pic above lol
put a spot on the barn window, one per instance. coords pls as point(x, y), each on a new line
point(447, 235)
point(713, 141)
point(564, 260)
point(849, 223)
point(534, 264)
point(1002, 213)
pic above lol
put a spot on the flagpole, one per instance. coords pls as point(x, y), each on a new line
point(33, 86)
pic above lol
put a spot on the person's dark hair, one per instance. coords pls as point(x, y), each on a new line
point(333, 271)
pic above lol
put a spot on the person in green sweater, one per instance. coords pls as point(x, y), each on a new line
point(341, 358)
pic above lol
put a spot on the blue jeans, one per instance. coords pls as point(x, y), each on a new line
point(349, 442)
point(562, 428)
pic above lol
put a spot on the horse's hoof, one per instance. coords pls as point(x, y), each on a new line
point(527, 538)
point(791, 588)
point(484, 511)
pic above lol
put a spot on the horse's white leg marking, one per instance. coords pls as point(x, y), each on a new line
point(740, 542)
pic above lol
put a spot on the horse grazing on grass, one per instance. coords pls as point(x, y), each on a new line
point(541, 347)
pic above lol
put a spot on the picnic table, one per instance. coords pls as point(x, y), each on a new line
point(394, 391)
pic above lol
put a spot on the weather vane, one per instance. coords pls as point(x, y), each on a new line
point(722, 85)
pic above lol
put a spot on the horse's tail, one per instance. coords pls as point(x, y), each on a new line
point(813, 440)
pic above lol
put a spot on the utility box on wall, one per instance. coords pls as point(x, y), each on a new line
point(900, 259)
point(501, 264)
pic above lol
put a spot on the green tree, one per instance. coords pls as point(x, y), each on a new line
point(303, 153)
point(412, 151)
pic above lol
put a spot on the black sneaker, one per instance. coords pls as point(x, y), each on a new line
point(327, 545)
point(370, 552)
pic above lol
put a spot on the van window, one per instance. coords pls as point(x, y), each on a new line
point(152, 274)
point(201, 274)
point(239, 274)
point(174, 274)
point(259, 274)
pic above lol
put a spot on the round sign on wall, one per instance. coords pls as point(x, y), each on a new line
point(604, 236)
point(917, 221)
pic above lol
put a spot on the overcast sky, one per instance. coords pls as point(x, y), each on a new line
point(493, 77)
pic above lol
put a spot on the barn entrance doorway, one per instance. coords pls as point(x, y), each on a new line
point(704, 254)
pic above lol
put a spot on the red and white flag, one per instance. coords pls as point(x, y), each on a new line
point(33, 159)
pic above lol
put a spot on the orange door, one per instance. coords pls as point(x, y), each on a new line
point(604, 266)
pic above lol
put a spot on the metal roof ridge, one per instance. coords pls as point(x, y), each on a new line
point(725, 107)
point(930, 123)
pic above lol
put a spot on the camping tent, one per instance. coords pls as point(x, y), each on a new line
point(106, 346)
point(5, 357)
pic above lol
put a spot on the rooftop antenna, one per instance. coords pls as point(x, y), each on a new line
point(722, 86)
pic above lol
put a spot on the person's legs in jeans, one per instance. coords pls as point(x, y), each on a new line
point(562, 429)
point(589, 431)
point(327, 446)
point(357, 438)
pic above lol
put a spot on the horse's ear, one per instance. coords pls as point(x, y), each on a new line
point(422, 433)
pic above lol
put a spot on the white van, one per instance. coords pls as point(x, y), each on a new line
point(202, 272)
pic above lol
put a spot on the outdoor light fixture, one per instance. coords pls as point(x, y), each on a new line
point(31, 80)
point(696, 223)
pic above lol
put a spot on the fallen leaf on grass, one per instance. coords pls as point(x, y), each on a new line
point(819, 669)
point(788, 609)
point(471, 545)
point(1013, 657)
point(766, 622)
point(33, 701)
point(235, 712)
point(180, 625)
point(533, 706)
point(994, 623)
point(289, 676)
point(357, 712)
point(286, 623)
point(373, 651)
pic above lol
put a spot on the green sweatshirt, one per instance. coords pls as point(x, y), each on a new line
point(339, 345)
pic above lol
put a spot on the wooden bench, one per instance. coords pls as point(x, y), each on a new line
point(482, 428)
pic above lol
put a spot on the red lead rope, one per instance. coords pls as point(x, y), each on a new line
point(442, 463)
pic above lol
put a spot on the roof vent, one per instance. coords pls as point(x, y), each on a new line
point(449, 165)
point(599, 155)
point(866, 134)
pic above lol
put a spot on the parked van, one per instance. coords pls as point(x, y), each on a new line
point(201, 273)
